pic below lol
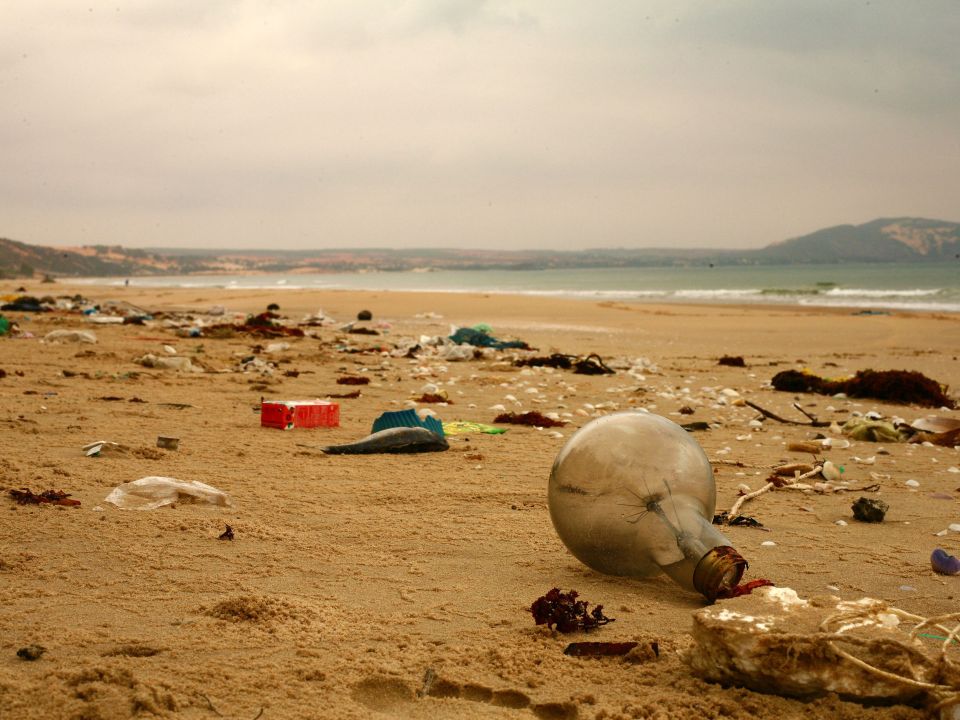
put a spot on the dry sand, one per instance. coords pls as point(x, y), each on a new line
point(351, 576)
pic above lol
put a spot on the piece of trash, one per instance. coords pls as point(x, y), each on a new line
point(830, 472)
point(31, 652)
point(731, 361)
point(353, 380)
point(482, 338)
point(226, 534)
point(944, 563)
point(872, 430)
point(407, 418)
point(168, 443)
point(804, 447)
point(906, 387)
point(870, 510)
point(25, 496)
point(177, 362)
point(344, 396)
point(565, 613)
point(460, 427)
point(695, 426)
point(601, 649)
point(936, 425)
point(103, 447)
point(723, 518)
point(288, 414)
point(528, 418)
point(150, 493)
point(611, 474)
point(63, 336)
point(393, 440)
point(864, 650)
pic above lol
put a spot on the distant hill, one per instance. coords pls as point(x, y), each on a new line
point(884, 240)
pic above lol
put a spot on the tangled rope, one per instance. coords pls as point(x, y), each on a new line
point(944, 694)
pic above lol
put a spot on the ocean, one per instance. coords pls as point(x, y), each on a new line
point(922, 287)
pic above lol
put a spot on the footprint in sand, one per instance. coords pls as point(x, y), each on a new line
point(394, 696)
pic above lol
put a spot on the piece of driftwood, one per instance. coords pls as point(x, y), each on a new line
point(812, 421)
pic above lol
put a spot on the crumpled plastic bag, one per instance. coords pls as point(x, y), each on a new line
point(150, 493)
point(177, 362)
point(82, 336)
point(872, 430)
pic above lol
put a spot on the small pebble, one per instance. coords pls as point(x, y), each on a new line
point(908, 588)
point(953, 527)
point(912, 483)
point(841, 523)
point(768, 543)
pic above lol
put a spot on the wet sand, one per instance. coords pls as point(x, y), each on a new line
point(351, 579)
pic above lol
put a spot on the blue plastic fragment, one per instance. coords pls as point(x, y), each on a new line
point(406, 418)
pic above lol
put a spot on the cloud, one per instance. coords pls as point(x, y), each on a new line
point(482, 122)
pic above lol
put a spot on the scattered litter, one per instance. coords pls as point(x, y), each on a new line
point(482, 338)
point(150, 493)
point(722, 518)
point(407, 418)
point(460, 427)
point(353, 380)
point(167, 442)
point(177, 362)
point(870, 510)
point(944, 563)
point(566, 613)
point(288, 414)
point(907, 387)
point(25, 496)
point(65, 336)
point(533, 417)
point(872, 430)
point(103, 447)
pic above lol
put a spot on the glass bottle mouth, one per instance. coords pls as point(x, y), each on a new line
point(718, 572)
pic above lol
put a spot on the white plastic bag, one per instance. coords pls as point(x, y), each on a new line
point(150, 493)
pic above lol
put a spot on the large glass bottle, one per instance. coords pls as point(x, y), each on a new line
point(633, 494)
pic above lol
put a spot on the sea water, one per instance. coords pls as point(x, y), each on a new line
point(902, 286)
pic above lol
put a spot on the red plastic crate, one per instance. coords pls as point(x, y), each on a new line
point(288, 414)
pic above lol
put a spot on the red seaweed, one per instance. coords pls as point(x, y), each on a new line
point(566, 613)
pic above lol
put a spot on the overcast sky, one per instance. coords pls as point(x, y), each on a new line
point(464, 123)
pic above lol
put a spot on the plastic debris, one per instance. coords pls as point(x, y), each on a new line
point(150, 493)
point(168, 363)
point(407, 418)
point(70, 336)
point(288, 414)
point(103, 447)
point(460, 427)
point(167, 442)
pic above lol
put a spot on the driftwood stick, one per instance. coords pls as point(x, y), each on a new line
point(735, 508)
point(767, 414)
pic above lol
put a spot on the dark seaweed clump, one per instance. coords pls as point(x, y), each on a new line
point(905, 387)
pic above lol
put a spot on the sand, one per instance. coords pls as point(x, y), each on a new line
point(352, 579)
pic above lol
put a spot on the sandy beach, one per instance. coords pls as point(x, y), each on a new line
point(400, 585)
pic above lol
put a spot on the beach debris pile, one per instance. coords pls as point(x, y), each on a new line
point(865, 650)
